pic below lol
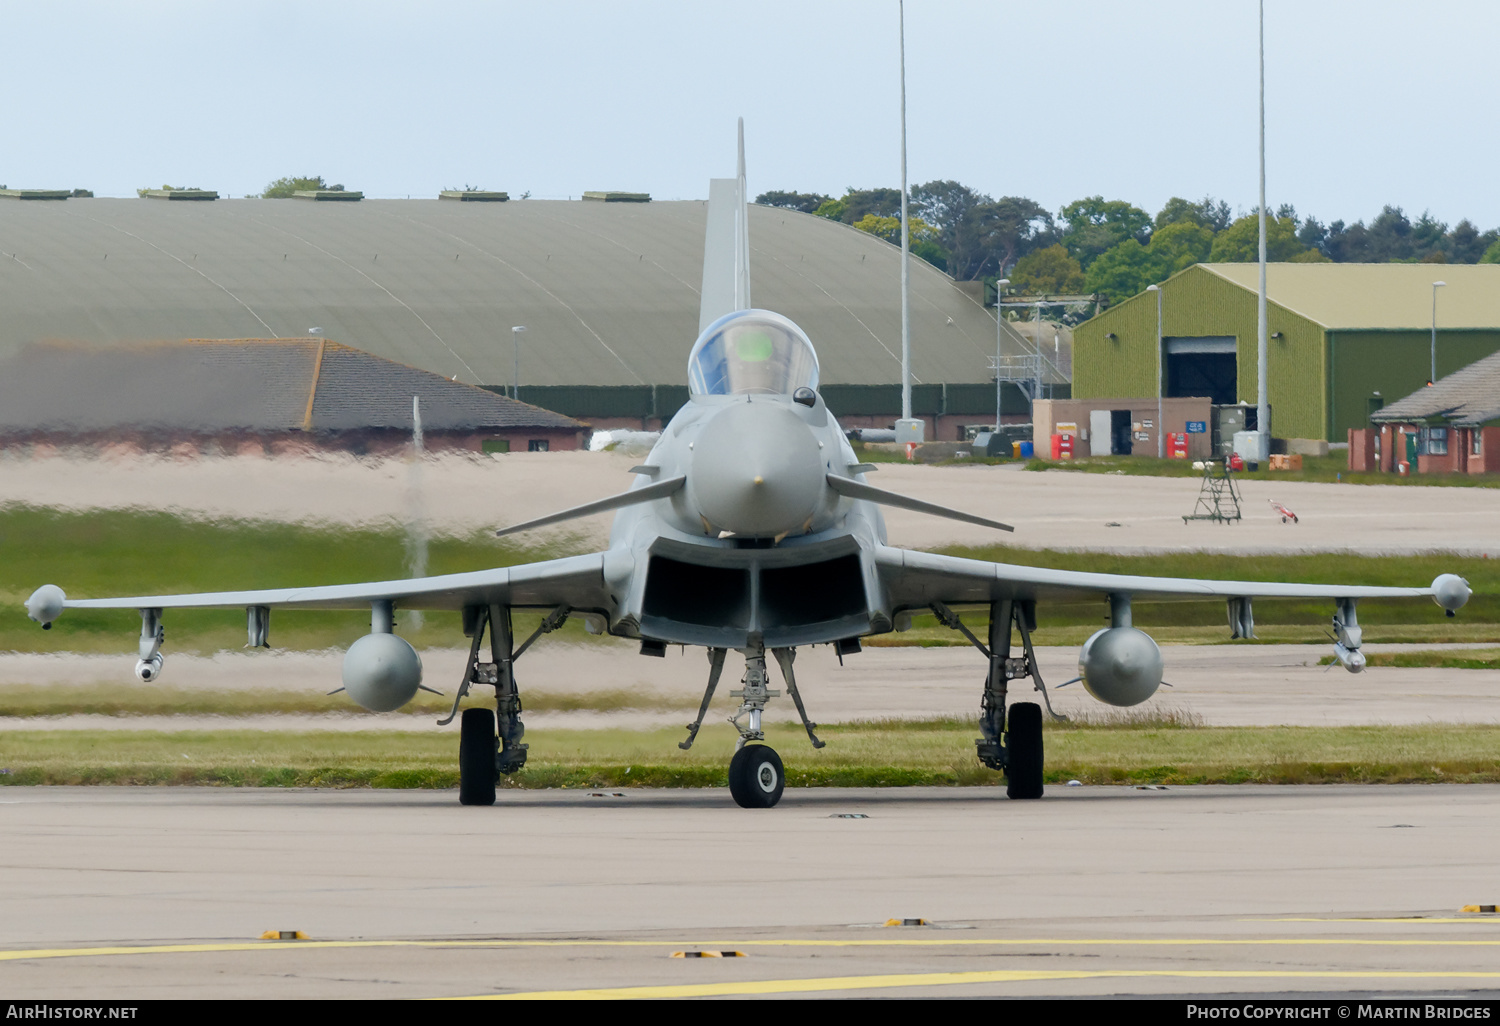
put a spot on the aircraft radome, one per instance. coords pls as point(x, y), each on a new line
point(749, 527)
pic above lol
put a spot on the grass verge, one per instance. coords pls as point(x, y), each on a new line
point(28, 700)
point(940, 752)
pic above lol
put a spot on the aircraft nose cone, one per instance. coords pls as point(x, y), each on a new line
point(757, 470)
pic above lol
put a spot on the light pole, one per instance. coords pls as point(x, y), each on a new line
point(999, 333)
point(1262, 365)
point(908, 430)
point(515, 361)
point(1160, 437)
point(1435, 286)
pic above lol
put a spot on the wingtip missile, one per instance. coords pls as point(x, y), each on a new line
point(1451, 592)
point(46, 605)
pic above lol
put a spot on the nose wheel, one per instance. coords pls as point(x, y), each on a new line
point(756, 777)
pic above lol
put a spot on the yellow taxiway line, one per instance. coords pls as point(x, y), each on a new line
point(837, 983)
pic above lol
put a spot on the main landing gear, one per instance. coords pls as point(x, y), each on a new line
point(487, 751)
point(756, 775)
point(1014, 744)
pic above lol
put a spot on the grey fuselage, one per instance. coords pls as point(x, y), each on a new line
point(756, 542)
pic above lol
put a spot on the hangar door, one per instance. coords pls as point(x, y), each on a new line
point(1201, 365)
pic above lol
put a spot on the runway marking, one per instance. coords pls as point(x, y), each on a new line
point(949, 979)
point(1406, 920)
point(23, 954)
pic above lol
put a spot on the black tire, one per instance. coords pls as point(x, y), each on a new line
point(1023, 769)
point(756, 777)
point(477, 772)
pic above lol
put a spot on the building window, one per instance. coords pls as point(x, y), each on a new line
point(1434, 441)
point(540, 445)
point(1475, 448)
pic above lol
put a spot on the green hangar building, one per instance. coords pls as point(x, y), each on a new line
point(1344, 339)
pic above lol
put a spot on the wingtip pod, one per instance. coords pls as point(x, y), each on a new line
point(46, 604)
point(1449, 591)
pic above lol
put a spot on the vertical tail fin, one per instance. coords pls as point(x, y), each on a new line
point(726, 245)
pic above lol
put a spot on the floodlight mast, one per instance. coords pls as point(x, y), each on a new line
point(912, 432)
point(1262, 405)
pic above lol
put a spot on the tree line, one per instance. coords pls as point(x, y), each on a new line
point(1115, 249)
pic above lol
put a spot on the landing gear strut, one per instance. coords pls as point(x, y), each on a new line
point(1011, 744)
point(490, 743)
point(756, 775)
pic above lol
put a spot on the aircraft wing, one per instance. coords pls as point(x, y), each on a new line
point(916, 579)
point(577, 581)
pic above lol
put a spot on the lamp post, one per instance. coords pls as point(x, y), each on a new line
point(515, 360)
point(908, 429)
point(1262, 365)
point(999, 332)
point(1435, 286)
point(1160, 439)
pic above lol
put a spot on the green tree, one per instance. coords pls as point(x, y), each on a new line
point(999, 233)
point(1095, 225)
point(807, 202)
point(1240, 242)
point(1126, 269)
point(1047, 272)
point(1122, 271)
point(283, 188)
point(1491, 255)
point(1180, 245)
point(1212, 214)
point(832, 209)
point(922, 236)
point(854, 204)
point(889, 228)
point(1466, 243)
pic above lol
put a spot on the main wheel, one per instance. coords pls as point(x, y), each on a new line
point(1023, 770)
point(756, 778)
point(477, 772)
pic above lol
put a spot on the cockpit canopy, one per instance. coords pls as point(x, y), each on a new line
point(749, 352)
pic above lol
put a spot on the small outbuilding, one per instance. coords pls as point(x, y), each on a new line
point(1449, 427)
point(257, 395)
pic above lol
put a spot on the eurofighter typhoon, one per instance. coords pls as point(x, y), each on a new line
point(749, 528)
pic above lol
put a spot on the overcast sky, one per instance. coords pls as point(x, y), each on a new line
point(1368, 102)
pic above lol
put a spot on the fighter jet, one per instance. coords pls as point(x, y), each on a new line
point(750, 528)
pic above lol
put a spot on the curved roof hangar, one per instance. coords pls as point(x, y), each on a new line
point(608, 292)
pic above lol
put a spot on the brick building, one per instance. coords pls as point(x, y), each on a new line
point(1449, 427)
point(256, 395)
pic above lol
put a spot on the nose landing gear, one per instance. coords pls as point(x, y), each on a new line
point(756, 775)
